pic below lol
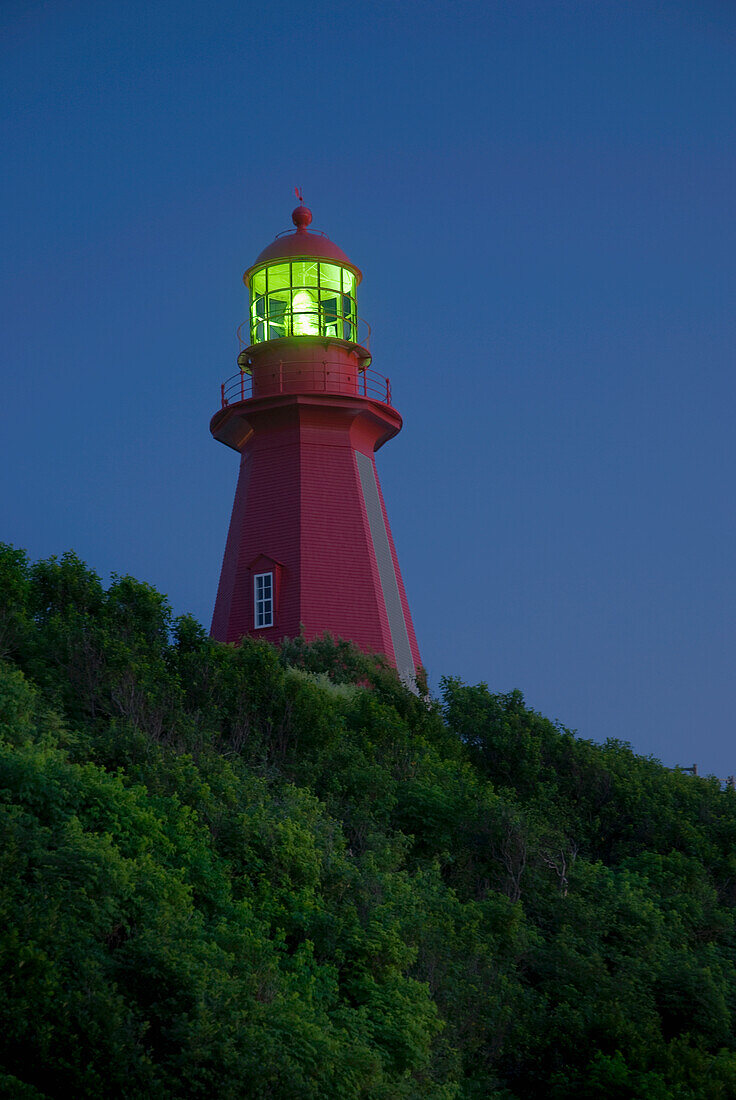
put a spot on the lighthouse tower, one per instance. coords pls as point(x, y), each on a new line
point(309, 547)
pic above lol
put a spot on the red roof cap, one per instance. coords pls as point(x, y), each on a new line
point(301, 243)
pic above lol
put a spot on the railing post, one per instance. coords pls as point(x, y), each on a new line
point(242, 385)
point(365, 382)
point(388, 391)
point(222, 395)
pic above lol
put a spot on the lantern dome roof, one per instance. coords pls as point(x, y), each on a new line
point(299, 243)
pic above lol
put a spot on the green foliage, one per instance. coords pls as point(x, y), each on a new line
point(236, 871)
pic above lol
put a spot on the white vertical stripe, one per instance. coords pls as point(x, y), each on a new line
point(386, 572)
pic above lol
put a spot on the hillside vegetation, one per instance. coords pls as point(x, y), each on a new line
point(244, 872)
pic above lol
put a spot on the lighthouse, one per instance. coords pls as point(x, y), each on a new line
point(309, 547)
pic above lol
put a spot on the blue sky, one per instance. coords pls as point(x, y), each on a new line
point(541, 198)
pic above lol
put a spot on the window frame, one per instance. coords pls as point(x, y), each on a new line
point(260, 600)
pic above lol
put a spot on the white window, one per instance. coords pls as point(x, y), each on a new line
point(263, 599)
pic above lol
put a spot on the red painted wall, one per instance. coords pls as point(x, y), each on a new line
point(299, 501)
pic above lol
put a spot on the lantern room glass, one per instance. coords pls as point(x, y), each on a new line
point(303, 298)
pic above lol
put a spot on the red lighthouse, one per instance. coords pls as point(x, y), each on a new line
point(309, 547)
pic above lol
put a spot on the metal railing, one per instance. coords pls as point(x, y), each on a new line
point(300, 376)
point(321, 321)
point(291, 232)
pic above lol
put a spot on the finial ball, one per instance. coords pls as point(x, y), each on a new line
point(301, 217)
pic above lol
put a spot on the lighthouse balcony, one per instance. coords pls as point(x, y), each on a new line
point(300, 376)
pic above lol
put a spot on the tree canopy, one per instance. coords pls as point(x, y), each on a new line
point(277, 873)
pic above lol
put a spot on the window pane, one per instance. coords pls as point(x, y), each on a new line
point(279, 277)
point(329, 277)
point(348, 282)
point(329, 310)
point(329, 316)
point(348, 309)
point(263, 603)
point(257, 315)
point(277, 306)
point(304, 273)
point(258, 282)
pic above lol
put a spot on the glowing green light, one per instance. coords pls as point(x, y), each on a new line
point(303, 298)
point(305, 318)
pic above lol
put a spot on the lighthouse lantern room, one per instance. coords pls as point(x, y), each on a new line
point(309, 547)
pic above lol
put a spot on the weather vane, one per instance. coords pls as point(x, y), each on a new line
point(298, 193)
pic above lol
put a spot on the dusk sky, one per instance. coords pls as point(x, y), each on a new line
point(540, 196)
